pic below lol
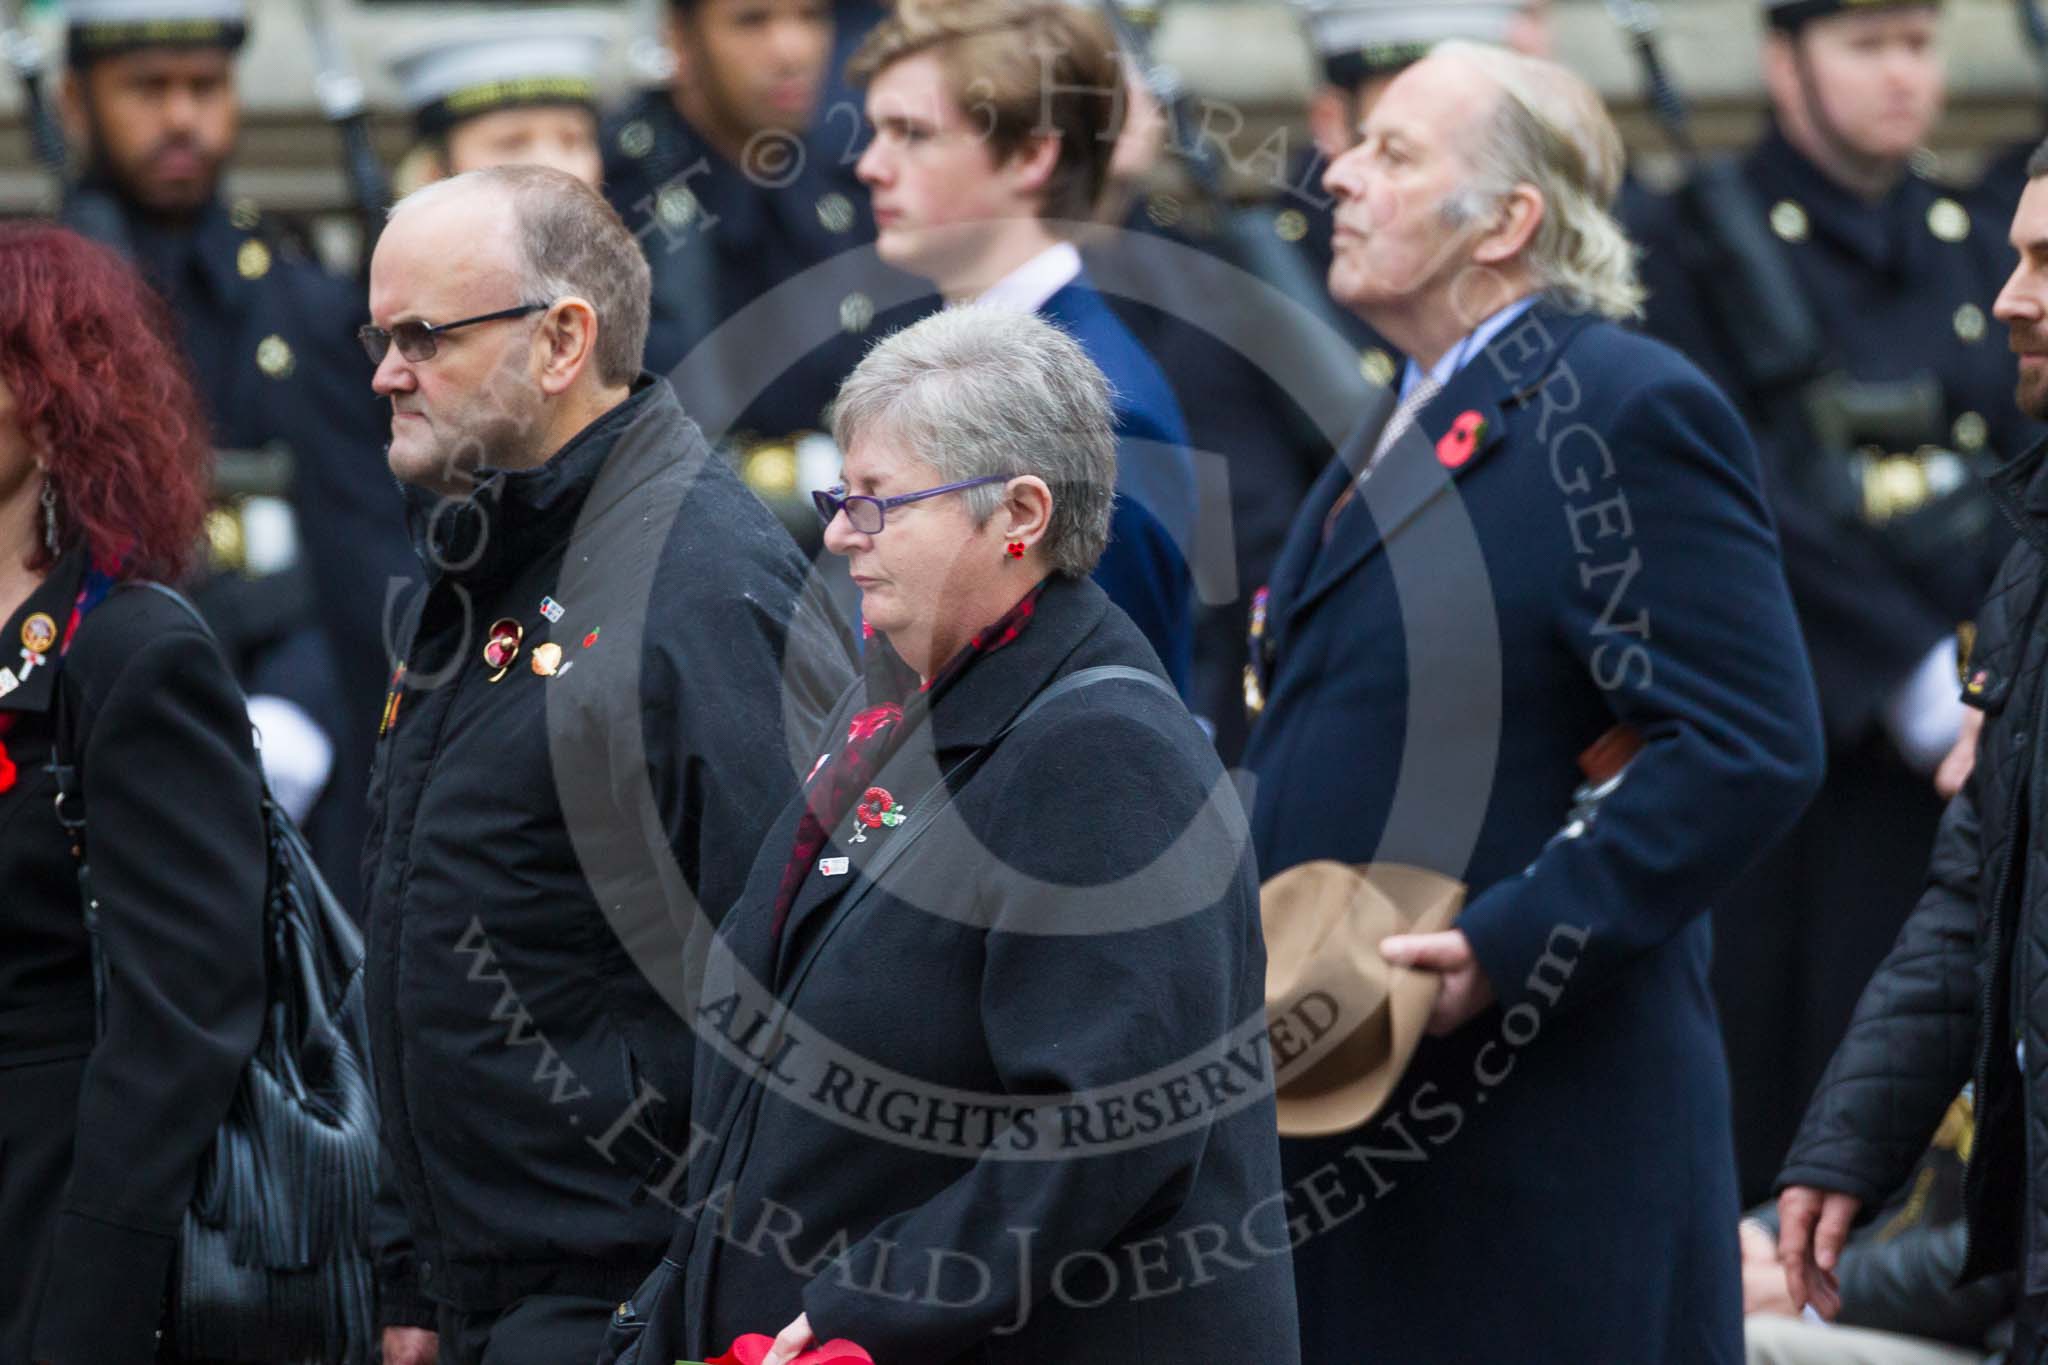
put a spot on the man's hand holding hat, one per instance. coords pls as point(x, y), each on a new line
point(1463, 991)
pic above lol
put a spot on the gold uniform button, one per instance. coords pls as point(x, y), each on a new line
point(227, 549)
point(770, 469)
point(1377, 366)
point(244, 214)
point(1290, 225)
point(274, 356)
point(1163, 209)
point(1894, 486)
point(835, 212)
point(253, 260)
point(1948, 220)
point(1971, 431)
point(1788, 220)
point(1969, 322)
point(856, 313)
point(636, 139)
point(675, 206)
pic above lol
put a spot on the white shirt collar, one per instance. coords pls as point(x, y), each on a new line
point(1460, 355)
point(1026, 288)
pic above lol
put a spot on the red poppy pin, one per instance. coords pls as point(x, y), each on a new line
point(1457, 445)
point(877, 808)
point(753, 1348)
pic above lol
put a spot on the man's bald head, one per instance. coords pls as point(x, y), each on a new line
point(536, 300)
point(561, 238)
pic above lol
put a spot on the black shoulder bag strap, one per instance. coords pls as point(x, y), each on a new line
point(65, 755)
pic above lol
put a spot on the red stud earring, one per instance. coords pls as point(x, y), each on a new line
point(1016, 550)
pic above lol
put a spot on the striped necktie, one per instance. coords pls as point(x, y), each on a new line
point(1402, 418)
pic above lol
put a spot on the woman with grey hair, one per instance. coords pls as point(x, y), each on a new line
point(950, 1032)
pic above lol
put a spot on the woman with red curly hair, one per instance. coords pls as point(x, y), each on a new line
point(104, 464)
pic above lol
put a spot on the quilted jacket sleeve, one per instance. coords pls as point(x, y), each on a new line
point(1911, 1042)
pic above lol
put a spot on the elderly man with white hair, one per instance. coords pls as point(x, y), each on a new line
point(1549, 564)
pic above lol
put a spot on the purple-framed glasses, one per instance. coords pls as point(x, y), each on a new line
point(864, 513)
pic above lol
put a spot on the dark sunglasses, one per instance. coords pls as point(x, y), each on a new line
point(864, 513)
point(416, 340)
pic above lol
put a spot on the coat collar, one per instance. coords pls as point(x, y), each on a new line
point(988, 695)
point(53, 601)
point(2024, 481)
point(974, 710)
point(736, 205)
point(1894, 235)
point(514, 516)
point(1435, 453)
point(200, 258)
point(1075, 304)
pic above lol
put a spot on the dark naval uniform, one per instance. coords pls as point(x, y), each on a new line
point(1889, 541)
point(269, 337)
point(730, 235)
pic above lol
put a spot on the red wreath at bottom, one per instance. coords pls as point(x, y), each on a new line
point(753, 1348)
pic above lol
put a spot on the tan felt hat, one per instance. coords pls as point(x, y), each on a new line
point(1343, 1022)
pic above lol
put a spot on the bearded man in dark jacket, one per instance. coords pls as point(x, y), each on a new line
point(597, 700)
point(1963, 996)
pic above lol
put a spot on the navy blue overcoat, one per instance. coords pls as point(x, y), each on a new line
point(1572, 535)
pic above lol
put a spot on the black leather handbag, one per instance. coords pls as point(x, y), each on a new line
point(273, 1260)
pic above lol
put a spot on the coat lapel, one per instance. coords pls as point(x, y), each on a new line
point(1436, 452)
point(975, 709)
point(1305, 537)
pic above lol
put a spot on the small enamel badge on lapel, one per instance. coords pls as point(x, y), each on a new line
point(502, 646)
point(1455, 446)
point(546, 660)
point(392, 695)
point(1257, 651)
point(552, 609)
point(38, 633)
point(834, 867)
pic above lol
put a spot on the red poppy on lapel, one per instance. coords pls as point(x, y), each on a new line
point(753, 1348)
point(1457, 445)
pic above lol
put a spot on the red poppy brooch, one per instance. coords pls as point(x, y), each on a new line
point(875, 810)
point(1456, 446)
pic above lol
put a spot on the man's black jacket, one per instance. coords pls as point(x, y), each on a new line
point(550, 838)
point(1964, 993)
